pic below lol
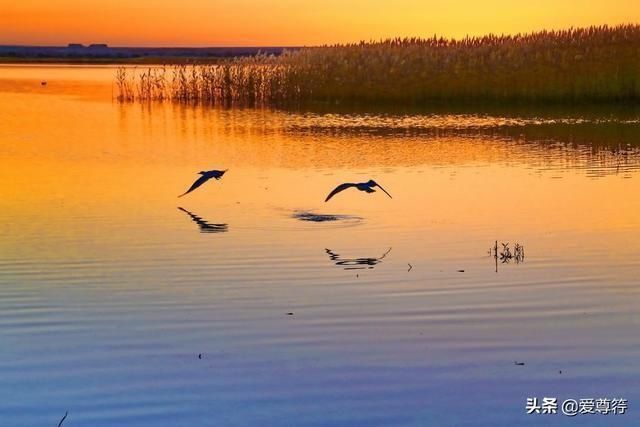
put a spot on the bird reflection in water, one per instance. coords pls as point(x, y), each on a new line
point(355, 263)
point(204, 226)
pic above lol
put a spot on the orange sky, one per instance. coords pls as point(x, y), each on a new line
point(288, 22)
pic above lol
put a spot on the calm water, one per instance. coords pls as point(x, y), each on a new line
point(111, 287)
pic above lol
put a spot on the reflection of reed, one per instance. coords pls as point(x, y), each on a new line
point(204, 226)
point(505, 255)
point(355, 263)
point(553, 141)
point(600, 146)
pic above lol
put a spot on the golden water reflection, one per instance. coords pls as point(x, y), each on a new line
point(103, 267)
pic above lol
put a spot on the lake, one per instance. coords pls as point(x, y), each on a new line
point(251, 301)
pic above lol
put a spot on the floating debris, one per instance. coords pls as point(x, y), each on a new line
point(410, 267)
point(518, 363)
point(290, 313)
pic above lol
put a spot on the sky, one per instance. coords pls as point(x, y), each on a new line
point(289, 22)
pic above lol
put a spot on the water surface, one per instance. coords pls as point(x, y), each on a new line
point(252, 302)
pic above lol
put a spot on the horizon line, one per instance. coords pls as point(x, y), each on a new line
point(370, 40)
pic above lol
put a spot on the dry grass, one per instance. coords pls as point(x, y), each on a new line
point(576, 65)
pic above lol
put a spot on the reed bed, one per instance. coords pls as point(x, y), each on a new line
point(575, 65)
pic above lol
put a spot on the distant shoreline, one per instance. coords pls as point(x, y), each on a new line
point(102, 54)
point(145, 60)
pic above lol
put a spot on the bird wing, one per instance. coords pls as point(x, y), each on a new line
point(338, 189)
point(196, 184)
point(380, 187)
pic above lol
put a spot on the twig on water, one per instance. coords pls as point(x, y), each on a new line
point(410, 267)
point(63, 418)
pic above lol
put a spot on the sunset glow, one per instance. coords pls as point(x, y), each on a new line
point(288, 22)
point(319, 212)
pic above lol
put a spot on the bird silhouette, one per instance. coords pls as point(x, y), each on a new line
point(206, 176)
point(362, 186)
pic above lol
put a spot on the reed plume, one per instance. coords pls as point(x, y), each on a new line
point(583, 64)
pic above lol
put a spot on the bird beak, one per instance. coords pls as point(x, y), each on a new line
point(380, 186)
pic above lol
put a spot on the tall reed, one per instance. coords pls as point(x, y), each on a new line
point(585, 64)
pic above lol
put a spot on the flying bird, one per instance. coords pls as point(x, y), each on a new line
point(362, 186)
point(206, 176)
